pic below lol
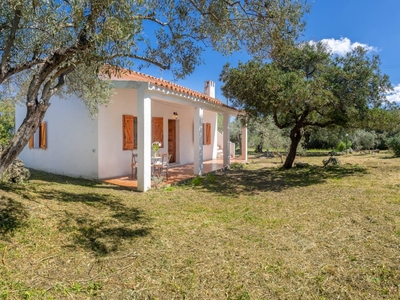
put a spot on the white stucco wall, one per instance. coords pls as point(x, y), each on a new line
point(71, 140)
point(210, 151)
point(113, 160)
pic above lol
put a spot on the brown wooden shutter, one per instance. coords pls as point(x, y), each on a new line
point(135, 133)
point(43, 135)
point(207, 134)
point(32, 142)
point(127, 132)
point(158, 130)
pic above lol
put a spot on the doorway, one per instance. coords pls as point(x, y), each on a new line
point(172, 140)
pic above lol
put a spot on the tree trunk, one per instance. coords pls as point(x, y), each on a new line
point(34, 117)
point(295, 137)
point(260, 146)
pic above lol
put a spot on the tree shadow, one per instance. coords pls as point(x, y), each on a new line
point(13, 216)
point(97, 221)
point(104, 236)
point(103, 228)
point(233, 182)
point(389, 157)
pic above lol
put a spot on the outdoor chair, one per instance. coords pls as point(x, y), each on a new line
point(163, 167)
point(134, 164)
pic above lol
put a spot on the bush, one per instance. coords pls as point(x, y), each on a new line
point(394, 144)
point(341, 146)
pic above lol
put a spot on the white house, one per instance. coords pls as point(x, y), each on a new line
point(143, 109)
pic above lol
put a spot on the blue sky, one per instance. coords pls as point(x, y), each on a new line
point(342, 24)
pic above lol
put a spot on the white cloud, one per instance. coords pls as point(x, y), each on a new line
point(395, 95)
point(344, 45)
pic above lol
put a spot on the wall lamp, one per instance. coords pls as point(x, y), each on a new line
point(176, 115)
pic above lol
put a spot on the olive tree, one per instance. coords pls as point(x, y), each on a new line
point(305, 86)
point(49, 47)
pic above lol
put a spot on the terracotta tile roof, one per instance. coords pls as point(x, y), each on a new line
point(136, 76)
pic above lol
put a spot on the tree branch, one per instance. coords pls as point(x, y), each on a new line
point(61, 74)
point(318, 124)
point(139, 57)
point(11, 39)
point(20, 68)
point(277, 123)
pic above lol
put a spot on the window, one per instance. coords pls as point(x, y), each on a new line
point(157, 128)
point(129, 132)
point(41, 136)
point(207, 134)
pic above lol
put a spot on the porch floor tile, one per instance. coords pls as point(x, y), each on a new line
point(175, 173)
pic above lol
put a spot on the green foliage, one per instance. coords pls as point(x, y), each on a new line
point(263, 133)
point(196, 181)
point(211, 178)
point(341, 146)
point(363, 140)
point(7, 116)
point(237, 166)
point(47, 44)
point(220, 123)
point(394, 144)
point(304, 86)
point(322, 138)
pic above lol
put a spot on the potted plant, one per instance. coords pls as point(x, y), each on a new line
point(155, 146)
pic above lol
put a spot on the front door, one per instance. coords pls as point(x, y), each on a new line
point(172, 140)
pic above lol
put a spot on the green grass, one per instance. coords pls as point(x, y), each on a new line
point(253, 232)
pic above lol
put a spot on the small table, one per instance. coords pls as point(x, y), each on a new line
point(155, 161)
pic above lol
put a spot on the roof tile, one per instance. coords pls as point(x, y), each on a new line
point(137, 76)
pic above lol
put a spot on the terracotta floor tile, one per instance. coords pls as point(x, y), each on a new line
point(175, 173)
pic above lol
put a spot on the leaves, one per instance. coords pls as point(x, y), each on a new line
point(7, 113)
point(45, 44)
point(306, 86)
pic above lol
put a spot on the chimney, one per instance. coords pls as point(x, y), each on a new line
point(209, 88)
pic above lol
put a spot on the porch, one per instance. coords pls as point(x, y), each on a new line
point(176, 173)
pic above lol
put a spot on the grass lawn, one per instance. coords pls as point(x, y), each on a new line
point(252, 233)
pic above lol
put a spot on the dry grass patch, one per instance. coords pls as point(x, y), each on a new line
point(252, 233)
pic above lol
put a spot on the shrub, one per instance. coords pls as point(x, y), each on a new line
point(394, 144)
point(237, 166)
point(341, 146)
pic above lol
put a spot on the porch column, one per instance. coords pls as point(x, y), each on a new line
point(144, 141)
point(244, 141)
point(198, 141)
point(227, 144)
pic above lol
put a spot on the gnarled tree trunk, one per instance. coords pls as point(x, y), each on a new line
point(34, 117)
point(295, 137)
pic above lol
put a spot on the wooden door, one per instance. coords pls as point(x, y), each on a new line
point(172, 140)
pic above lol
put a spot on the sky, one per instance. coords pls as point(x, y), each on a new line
point(342, 24)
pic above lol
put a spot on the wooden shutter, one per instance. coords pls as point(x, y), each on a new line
point(43, 135)
point(135, 138)
point(157, 130)
point(32, 142)
point(127, 132)
point(207, 134)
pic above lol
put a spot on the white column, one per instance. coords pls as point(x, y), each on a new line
point(198, 141)
point(227, 146)
point(144, 140)
point(244, 141)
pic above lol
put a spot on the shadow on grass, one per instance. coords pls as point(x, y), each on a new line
point(61, 179)
point(389, 157)
point(107, 235)
point(13, 216)
point(272, 179)
point(93, 219)
point(103, 223)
